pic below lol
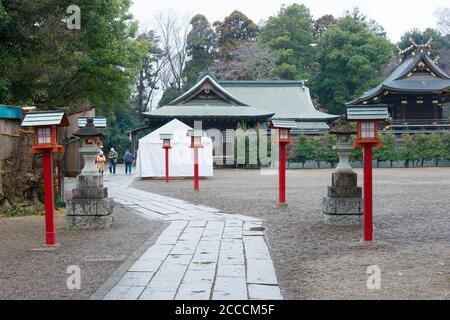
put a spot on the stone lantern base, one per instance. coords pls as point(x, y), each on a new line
point(90, 207)
point(344, 204)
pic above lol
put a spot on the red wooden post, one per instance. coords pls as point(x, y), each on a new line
point(368, 207)
point(49, 204)
point(196, 184)
point(282, 173)
point(167, 164)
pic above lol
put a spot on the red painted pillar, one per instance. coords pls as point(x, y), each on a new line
point(196, 185)
point(49, 200)
point(282, 173)
point(167, 164)
point(368, 224)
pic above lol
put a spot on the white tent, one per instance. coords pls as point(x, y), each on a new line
point(151, 156)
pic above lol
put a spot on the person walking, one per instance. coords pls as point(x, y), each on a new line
point(128, 158)
point(112, 156)
point(100, 160)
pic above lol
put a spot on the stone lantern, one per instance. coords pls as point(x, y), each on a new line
point(90, 207)
point(343, 204)
point(89, 149)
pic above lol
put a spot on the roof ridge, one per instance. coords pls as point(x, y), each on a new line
point(199, 84)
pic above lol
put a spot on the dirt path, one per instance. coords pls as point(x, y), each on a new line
point(35, 274)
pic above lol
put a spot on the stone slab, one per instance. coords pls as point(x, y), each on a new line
point(264, 292)
point(89, 181)
point(342, 206)
point(89, 222)
point(89, 207)
point(89, 193)
point(226, 288)
point(343, 220)
point(344, 179)
point(344, 192)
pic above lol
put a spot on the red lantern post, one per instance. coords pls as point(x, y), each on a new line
point(367, 120)
point(196, 143)
point(283, 139)
point(46, 142)
point(166, 138)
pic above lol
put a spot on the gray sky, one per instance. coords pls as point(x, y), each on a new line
point(396, 16)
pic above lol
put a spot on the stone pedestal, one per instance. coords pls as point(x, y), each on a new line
point(344, 204)
point(90, 207)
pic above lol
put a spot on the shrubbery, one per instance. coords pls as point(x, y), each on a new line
point(413, 149)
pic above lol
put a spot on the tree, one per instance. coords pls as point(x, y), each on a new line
point(322, 24)
point(389, 151)
point(49, 66)
point(153, 62)
point(423, 148)
point(438, 148)
point(323, 149)
point(290, 35)
point(351, 58)
point(304, 150)
point(408, 150)
point(251, 61)
point(173, 32)
point(237, 28)
point(201, 47)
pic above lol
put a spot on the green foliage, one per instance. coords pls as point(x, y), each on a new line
point(423, 148)
point(407, 150)
point(389, 151)
point(439, 150)
point(201, 46)
point(325, 151)
point(50, 66)
point(169, 95)
point(351, 59)
point(290, 35)
point(440, 45)
point(116, 136)
point(304, 150)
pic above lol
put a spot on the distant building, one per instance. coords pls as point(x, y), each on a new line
point(223, 105)
point(414, 93)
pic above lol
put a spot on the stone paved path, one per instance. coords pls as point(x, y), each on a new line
point(203, 254)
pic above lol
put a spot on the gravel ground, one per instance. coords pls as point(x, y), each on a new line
point(27, 273)
point(315, 261)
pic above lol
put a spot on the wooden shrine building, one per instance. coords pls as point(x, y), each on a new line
point(414, 93)
point(225, 104)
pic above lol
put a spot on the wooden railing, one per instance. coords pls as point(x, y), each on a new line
point(417, 125)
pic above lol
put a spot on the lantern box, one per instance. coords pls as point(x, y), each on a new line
point(367, 123)
point(196, 138)
point(283, 128)
point(46, 126)
point(166, 138)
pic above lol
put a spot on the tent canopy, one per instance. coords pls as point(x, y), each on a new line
point(151, 155)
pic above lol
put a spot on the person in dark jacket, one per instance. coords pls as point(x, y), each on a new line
point(128, 158)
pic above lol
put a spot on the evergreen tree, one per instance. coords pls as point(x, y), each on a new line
point(237, 28)
point(304, 151)
point(201, 46)
point(290, 35)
